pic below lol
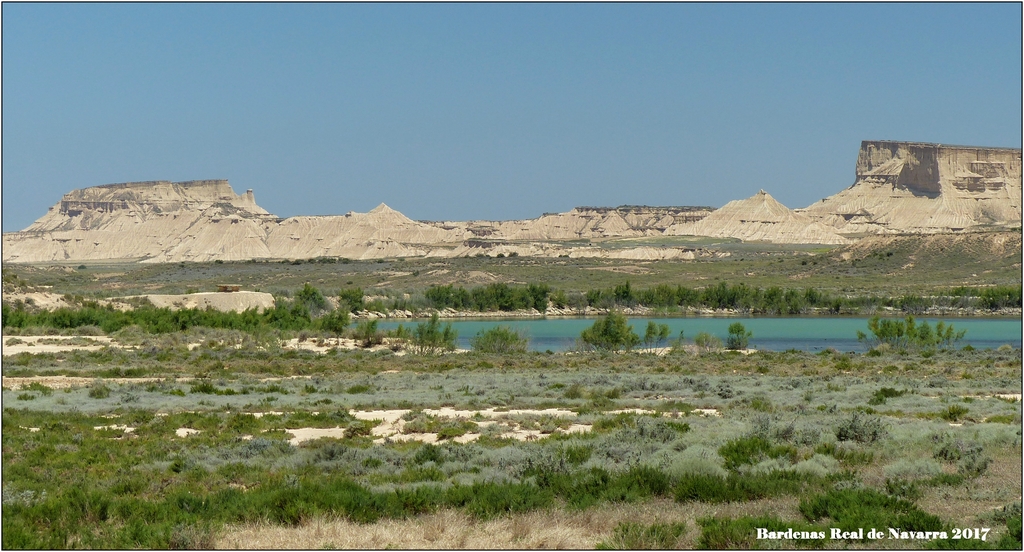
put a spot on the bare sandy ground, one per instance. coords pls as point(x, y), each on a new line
point(64, 382)
point(392, 425)
point(63, 343)
point(324, 345)
point(31, 343)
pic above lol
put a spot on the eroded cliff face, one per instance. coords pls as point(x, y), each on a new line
point(91, 208)
point(194, 220)
point(584, 223)
point(901, 187)
point(205, 220)
point(907, 187)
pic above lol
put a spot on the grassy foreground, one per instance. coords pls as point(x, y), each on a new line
point(721, 444)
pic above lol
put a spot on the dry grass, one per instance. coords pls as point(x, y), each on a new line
point(549, 529)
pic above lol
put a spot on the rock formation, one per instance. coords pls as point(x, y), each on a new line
point(383, 232)
point(759, 218)
point(167, 221)
point(901, 187)
point(906, 187)
point(205, 221)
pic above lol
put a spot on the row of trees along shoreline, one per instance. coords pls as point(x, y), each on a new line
point(309, 308)
point(774, 300)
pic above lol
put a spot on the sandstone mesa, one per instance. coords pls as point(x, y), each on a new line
point(900, 187)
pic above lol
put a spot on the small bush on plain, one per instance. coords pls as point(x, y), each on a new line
point(635, 536)
point(862, 428)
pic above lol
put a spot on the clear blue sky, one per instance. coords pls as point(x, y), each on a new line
point(492, 111)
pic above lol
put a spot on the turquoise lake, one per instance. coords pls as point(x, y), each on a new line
point(773, 334)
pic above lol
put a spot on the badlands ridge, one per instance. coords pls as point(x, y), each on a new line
point(900, 188)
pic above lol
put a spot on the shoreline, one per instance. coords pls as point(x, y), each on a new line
point(646, 312)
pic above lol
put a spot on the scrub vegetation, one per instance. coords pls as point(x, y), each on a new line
point(852, 438)
point(196, 429)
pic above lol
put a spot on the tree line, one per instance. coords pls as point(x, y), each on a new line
point(773, 300)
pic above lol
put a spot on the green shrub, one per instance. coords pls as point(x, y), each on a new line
point(500, 340)
point(707, 342)
point(853, 509)
point(574, 391)
point(418, 422)
point(367, 333)
point(580, 490)
point(952, 450)
point(636, 483)
point(696, 460)
point(428, 453)
point(38, 387)
point(751, 450)
point(429, 338)
point(1011, 419)
point(583, 489)
point(490, 500)
point(904, 334)
point(1011, 539)
point(359, 428)
point(452, 431)
point(610, 333)
point(99, 391)
point(881, 395)
point(861, 428)
point(655, 335)
point(610, 423)
point(947, 479)
point(973, 463)
point(204, 387)
point(334, 322)
point(577, 454)
point(738, 337)
point(635, 536)
point(901, 488)
point(351, 298)
point(742, 487)
point(818, 465)
point(954, 413)
point(312, 299)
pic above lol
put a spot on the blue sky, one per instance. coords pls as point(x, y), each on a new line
point(492, 111)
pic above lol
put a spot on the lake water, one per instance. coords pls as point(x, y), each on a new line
point(773, 334)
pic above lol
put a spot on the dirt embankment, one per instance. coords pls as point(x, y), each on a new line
point(236, 301)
